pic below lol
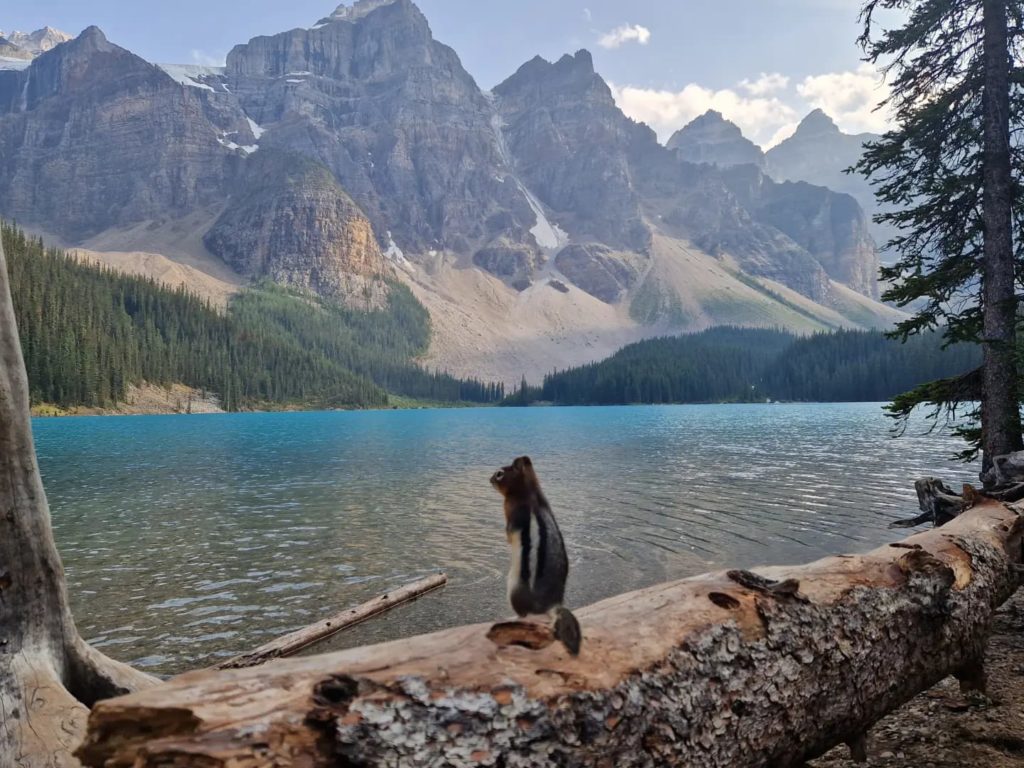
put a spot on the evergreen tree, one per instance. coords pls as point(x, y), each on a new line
point(89, 333)
point(951, 178)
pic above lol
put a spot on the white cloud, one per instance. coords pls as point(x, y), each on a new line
point(588, 15)
point(768, 107)
point(765, 83)
point(627, 33)
point(849, 98)
point(667, 111)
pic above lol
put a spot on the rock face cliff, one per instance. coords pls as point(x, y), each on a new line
point(396, 118)
point(712, 139)
point(93, 137)
point(569, 143)
point(288, 220)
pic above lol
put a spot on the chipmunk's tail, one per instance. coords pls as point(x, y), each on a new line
point(567, 629)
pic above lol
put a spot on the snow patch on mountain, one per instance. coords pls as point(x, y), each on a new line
point(8, 63)
point(192, 74)
point(547, 234)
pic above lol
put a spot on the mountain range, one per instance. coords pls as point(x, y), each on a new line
point(539, 225)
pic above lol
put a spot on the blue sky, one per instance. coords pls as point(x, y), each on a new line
point(668, 60)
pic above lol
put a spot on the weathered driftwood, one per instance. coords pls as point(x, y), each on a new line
point(938, 503)
point(292, 643)
point(48, 675)
point(729, 669)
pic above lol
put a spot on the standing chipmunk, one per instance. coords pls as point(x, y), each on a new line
point(536, 578)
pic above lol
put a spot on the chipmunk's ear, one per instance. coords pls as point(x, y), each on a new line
point(523, 462)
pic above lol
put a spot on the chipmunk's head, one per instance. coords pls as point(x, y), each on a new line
point(518, 477)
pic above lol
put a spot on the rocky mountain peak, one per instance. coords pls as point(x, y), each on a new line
point(93, 39)
point(712, 139)
point(37, 42)
point(571, 77)
point(358, 10)
point(816, 123)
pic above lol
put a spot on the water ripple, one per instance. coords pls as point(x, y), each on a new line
point(188, 539)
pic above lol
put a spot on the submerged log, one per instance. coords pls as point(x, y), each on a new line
point(292, 643)
point(729, 669)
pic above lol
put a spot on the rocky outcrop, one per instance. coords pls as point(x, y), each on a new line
point(829, 226)
point(599, 270)
point(291, 222)
point(393, 114)
point(714, 217)
point(570, 145)
point(714, 140)
point(515, 263)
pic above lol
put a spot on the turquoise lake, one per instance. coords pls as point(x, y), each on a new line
point(187, 539)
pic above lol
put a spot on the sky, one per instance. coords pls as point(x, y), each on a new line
point(763, 63)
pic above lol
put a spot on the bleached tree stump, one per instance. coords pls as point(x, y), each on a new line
point(724, 670)
point(48, 675)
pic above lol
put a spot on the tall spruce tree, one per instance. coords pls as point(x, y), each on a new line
point(950, 178)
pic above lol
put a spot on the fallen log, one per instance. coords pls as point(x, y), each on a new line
point(292, 643)
point(729, 669)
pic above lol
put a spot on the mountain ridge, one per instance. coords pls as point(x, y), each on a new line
point(561, 203)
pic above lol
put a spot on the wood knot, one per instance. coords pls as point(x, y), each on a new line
point(336, 691)
point(722, 600)
point(5, 581)
point(524, 634)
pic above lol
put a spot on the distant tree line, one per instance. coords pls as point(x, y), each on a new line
point(749, 365)
point(88, 333)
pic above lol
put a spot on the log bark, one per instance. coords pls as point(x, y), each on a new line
point(292, 643)
point(729, 669)
point(48, 675)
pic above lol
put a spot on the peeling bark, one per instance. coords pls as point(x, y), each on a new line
point(48, 675)
point(735, 669)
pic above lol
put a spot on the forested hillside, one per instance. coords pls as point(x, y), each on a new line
point(89, 333)
point(750, 365)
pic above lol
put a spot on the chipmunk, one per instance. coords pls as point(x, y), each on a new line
point(536, 578)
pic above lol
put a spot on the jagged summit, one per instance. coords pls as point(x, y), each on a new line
point(571, 74)
point(358, 10)
point(37, 42)
point(817, 122)
point(712, 139)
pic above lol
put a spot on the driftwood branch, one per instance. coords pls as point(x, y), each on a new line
point(292, 643)
point(938, 503)
point(733, 669)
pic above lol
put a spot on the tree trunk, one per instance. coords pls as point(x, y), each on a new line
point(1000, 413)
point(48, 675)
point(724, 670)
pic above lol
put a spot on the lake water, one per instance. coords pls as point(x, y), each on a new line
point(190, 538)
